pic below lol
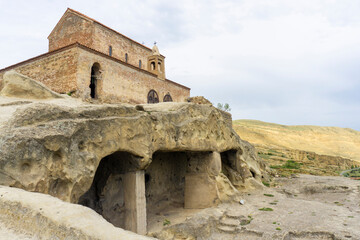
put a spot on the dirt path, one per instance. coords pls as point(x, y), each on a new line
point(349, 170)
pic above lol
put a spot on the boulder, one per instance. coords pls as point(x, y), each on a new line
point(21, 86)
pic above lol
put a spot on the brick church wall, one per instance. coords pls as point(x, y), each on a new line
point(69, 30)
point(73, 28)
point(69, 69)
point(56, 70)
point(104, 37)
point(123, 83)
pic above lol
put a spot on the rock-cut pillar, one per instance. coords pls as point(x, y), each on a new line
point(200, 185)
point(135, 202)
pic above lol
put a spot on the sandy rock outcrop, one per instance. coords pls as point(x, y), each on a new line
point(199, 100)
point(17, 85)
point(83, 153)
point(55, 149)
point(46, 217)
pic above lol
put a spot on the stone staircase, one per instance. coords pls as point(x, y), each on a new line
point(231, 222)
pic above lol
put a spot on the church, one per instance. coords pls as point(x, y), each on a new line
point(91, 61)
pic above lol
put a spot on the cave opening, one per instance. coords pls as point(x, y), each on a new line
point(107, 194)
point(173, 186)
point(228, 162)
point(165, 182)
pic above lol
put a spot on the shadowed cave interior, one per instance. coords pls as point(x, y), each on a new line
point(164, 185)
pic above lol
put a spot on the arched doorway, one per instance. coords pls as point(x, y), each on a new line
point(95, 72)
point(152, 97)
point(167, 98)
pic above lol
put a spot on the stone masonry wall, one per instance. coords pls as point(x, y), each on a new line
point(104, 37)
point(57, 71)
point(71, 29)
point(69, 70)
point(122, 83)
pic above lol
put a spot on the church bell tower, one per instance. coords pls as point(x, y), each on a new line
point(156, 63)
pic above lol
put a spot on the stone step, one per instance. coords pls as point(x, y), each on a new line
point(230, 222)
point(234, 214)
point(227, 229)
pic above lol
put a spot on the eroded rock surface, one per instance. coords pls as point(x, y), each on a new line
point(80, 152)
point(30, 216)
point(17, 85)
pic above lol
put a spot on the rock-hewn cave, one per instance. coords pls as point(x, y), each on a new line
point(173, 181)
point(165, 181)
point(107, 192)
point(177, 182)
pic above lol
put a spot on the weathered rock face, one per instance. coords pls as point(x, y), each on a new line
point(20, 86)
point(46, 217)
point(83, 153)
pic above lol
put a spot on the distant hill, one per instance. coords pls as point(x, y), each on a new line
point(334, 141)
point(302, 149)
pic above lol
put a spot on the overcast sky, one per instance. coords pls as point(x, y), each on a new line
point(293, 62)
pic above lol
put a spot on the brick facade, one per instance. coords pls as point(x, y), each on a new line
point(69, 70)
point(71, 29)
point(103, 38)
point(75, 27)
point(120, 82)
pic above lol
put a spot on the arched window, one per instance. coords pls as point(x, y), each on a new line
point(152, 65)
point(110, 51)
point(139, 63)
point(167, 98)
point(153, 97)
point(159, 64)
point(126, 57)
point(95, 72)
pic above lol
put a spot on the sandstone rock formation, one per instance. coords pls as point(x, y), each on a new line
point(105, 156)
point(20, 86)
point(199, 100)
point(41, 216)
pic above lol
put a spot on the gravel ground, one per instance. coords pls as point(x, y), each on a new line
point(305, 207)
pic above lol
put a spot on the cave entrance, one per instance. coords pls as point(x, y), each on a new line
point(228, 159)
point(118, 192)
point(229, 164)
point(177, 185)
point(165, 181)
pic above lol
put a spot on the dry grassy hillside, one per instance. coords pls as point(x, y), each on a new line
point(333, 141)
